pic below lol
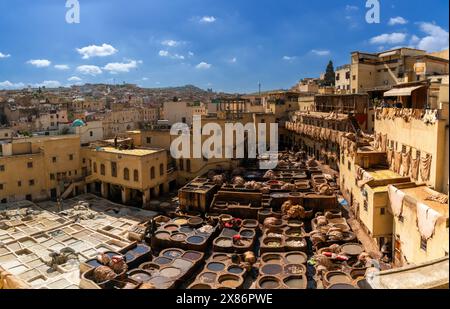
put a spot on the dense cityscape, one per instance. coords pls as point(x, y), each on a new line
point(92, 196)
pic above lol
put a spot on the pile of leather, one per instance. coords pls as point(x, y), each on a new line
point(292, 211)
point(110, 267)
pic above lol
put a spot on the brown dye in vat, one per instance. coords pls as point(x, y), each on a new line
point(269, 258)
point(229, 281)
point(296, 258)
point(162, 235)
point(220, 257)
point(352, 249)
point(339, 278)
point(269, 283)
point(193, 256)
point(171, 228)
point(272, 269)
point(201, 286)
point(295, 282)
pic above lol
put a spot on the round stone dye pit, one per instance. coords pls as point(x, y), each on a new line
point(172, 253)
point(296, 258)
point(269, 283)
point(215, 266)
point(235, 270)
point(162, 260)
point(170, 272)
point(271, 269)
point(196, 240)
point(191, 255)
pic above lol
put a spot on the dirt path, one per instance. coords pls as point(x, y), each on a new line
point(369, 244)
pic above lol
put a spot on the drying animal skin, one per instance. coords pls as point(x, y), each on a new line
point(269, 175)
point(325, 189)
point(147, 286)
point(238, 181)
point(218, 180)
point(288, 187)
point(103, 273)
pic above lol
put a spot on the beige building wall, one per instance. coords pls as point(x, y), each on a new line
point(410, 247)
point(306, 103)
point(343, 79)
point(429, 138)
point(36, 165)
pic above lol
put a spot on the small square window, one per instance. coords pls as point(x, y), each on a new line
point(19, 183)
point(382, 211)
point(30, 164)
point(71, 157)
point(1, 186)
point(54, 159)
point(31, 182)
point(2, 168)
point(52, 176)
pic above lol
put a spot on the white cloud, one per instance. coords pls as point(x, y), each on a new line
point(2, 55)
point(436, 39)
point(170, 43)
point(397, 21)
point(414, 40)
point(145, 78)
point(191, 54)
point(320, 52)
point(49, 84)
point(74, 79)
point(176, 56)
point(165, 53)
point(89, 70)
point(203, 66)
point(9, 85)
point(233, 60)
point(289, 58)
point(120, 67)
point(40, 63)
point(97, 51)
point(207, 19)
point(389, 38)
point(62, 67)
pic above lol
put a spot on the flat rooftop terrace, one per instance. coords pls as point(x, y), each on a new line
point(421, 193)
point(142, 152)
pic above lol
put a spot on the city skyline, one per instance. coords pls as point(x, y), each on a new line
point(228, 46)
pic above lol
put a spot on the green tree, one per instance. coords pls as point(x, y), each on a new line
point(330, 76)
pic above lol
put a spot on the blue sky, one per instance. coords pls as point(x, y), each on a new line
point(227, 45)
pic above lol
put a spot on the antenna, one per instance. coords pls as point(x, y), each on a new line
point(259, 88)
